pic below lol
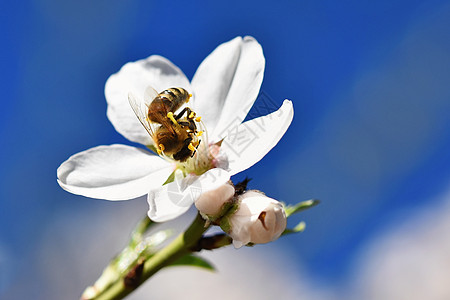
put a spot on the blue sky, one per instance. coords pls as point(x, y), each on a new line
point(369, 82)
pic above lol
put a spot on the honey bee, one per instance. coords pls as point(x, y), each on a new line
point(174, 135)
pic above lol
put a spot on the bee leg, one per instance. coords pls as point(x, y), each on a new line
point(187, 141)
point(184, 123)
point(196, 147)
point(191, 147)
point(190, 115)
point(192, 125)
point(181, 113)
point(193, 153)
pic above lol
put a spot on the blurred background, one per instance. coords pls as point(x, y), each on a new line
point(370, 83)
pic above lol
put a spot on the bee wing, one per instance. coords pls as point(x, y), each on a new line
point(149, 94)
point(140, 109)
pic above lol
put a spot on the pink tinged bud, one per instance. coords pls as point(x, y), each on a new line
point(259, 219)
point(212, 202)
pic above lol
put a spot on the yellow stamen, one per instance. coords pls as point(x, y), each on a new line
point(170, 116)
point(189, 98)
point(159, 151)
point(161, 146)
point(191, 147)
point(199, 133)
point(198, 119)
point(191, 115)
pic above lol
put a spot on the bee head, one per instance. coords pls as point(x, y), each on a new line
point(183, 154)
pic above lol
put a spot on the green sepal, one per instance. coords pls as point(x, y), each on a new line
point(224, 221)
point(225, 224)
point(301, 206)
point(299, 228)
point(171, 178)
point(227, 209)
point(194, 261)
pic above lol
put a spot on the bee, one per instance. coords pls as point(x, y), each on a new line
point(174, 135)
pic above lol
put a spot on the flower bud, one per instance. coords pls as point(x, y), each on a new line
point(213, 202)
point(259, 219)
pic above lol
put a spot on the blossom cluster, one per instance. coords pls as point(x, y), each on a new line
point(222, 91)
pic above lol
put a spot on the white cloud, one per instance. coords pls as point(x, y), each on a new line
point(411, 260)
point(242, 274)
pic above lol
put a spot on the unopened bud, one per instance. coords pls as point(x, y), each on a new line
point(259, 219)
point(212, 203)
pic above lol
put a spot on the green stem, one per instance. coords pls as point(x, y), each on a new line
point(176, 249)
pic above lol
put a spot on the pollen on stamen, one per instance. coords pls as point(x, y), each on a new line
point(199, 133)
point(191, 147)
point(198, 119)
point(160, 149)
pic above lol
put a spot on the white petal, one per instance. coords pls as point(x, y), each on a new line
point(249, 142)
point(135, 77)
point(175, 198)
point(253, 203)
point(212, 203)
point(208, 181)
point(115, 172)
point(227, 83)
point(239, 232)
point(169, 201)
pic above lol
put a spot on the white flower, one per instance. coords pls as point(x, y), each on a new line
point(224, 88)
point(259, 219)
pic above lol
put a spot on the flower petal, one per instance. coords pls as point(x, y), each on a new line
point(247, 143)
point(227, 83)
point(135, 77)
point(175, 198)
point(115, 172)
